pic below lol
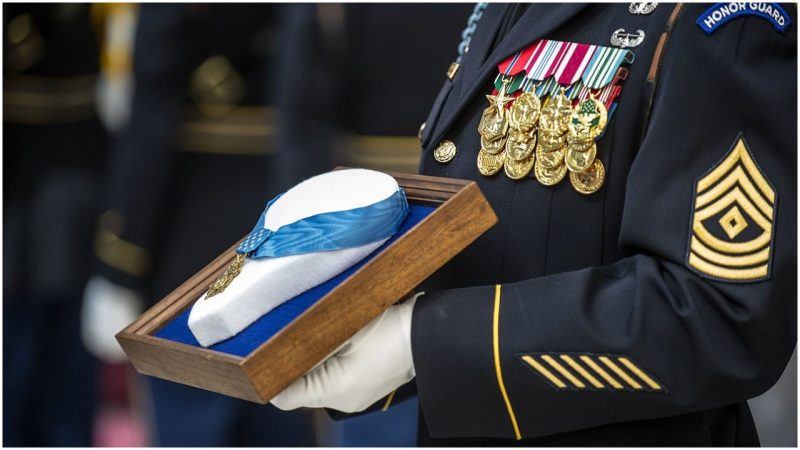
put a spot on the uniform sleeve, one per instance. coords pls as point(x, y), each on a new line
point(701, 311)
point(141, 158)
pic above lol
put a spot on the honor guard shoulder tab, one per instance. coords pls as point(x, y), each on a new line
point(722, 13)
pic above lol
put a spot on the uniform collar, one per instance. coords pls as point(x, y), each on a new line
point(539, 20)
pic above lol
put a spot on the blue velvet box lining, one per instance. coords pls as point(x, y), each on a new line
point(269, 324)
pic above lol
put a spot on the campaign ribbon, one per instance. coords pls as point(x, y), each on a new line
point(327, 231)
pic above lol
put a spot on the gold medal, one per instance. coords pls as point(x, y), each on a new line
point(494, 147)
point(588, 120)
point(550, 159)
point(524, 113)
point(589, 181)
point(555, 115)
point(445, 152)
point(549, 177)
point(550, 142)
point(580, 146)
point(520, 144)
point(579, 161)
point(519, 169)
point(488, 163)
point(493, 125)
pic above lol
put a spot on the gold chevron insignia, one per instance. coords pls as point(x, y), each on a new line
point(591, 372)
point(733, 220)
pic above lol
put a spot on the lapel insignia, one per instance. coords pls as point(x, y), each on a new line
point(733, 220)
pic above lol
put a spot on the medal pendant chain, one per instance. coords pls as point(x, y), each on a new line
point(227, 277)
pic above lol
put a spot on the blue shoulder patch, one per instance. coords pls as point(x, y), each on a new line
point(721, 13)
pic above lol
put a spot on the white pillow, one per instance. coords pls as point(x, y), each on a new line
point(266, 283)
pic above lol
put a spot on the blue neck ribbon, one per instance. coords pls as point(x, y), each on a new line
point(327, 231)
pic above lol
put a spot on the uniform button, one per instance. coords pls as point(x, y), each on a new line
point(421, 129)
point(445, 152)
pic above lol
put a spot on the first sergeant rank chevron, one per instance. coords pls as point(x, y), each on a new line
point(733, 219)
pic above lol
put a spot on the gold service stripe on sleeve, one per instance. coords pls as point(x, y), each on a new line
point(583, 372)
point(564, 372)
point(589, 362)
point(498, 369)
point(620, 373)
point(639, 373)
point(545, 373)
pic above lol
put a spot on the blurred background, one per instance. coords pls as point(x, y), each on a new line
point(138, 143)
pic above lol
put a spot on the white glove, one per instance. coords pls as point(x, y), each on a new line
point(372, 364)
point(107, 308)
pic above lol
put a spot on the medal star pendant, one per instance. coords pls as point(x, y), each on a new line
point(500, 100)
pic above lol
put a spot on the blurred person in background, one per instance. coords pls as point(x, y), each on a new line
point(355, 83)
point(187, 173)
point(54, 148)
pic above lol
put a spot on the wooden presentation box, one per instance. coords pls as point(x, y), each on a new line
point(458, 214)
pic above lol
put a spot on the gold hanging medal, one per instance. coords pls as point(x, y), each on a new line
point(524, 113)
point(588, 120)
point(589, 181)
point(547, 176)
point(549, 168)
point(516, 170)
point(488, 163)
point(520, 144)
point(227, 277)
point(550, 159)
point(523, 118)
point(580, 160)
point(555, 115)
point(493, 125)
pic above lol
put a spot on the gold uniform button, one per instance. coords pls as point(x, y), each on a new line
point(445, 152)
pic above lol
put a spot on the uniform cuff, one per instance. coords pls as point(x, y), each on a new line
point(457, 378)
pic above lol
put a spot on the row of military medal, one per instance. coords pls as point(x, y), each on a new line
point(549, 140)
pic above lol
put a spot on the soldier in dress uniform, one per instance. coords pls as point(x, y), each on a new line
point(53, 152)
point(185, 176)
point(640, 284)
point(355, 82)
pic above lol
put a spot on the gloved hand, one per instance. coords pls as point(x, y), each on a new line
point(373, 363)
point(107, 308)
